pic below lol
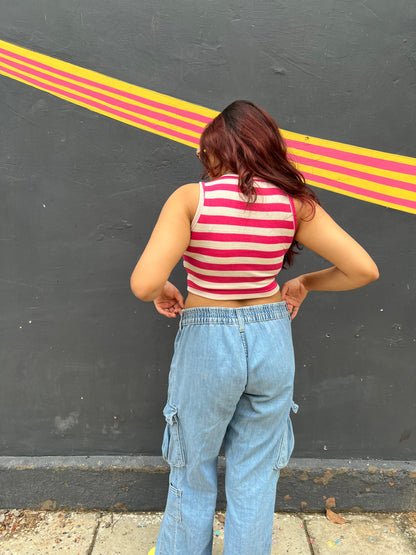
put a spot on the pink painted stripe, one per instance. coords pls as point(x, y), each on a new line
point(245, 222)
point(159, 105)
point(355, 173)
point(232, 267)
point(362, 159)
point(242, 205)
point(326, 151)
point(266, 289)
point(360, 191)
point(102, 107)
point(226, 279)
point(227, 253)
point(239, 237)
point(105, 98)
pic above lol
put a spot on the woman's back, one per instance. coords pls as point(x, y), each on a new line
point(237, 248)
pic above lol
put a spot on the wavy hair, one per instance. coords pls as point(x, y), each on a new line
point(245, 140)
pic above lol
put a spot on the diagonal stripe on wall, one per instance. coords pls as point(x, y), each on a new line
point(369, 175)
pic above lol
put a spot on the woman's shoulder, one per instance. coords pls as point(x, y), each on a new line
point(305, 210)
point(187, 196)
point(188, 189)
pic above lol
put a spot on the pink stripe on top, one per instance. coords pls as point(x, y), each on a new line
point(237, 249)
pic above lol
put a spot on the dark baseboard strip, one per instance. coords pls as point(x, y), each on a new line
point(139, 483)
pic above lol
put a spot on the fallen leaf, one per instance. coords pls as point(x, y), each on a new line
point(334, 517)
point(330, 502)
point(48, 505)
point(221, 518)
point(120, 507)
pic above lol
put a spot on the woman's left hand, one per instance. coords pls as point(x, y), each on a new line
point(294, 293)
point(170, 301)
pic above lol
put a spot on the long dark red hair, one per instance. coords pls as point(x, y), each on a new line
point(245, 140)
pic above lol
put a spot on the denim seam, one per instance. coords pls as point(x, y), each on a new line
point(241, 322)
point(244, 342)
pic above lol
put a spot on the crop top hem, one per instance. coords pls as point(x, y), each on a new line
point(233, 297)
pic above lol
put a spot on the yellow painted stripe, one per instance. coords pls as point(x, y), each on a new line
point(343, 147)
point(129, 89)
point(411, 179)
point(357, 182)
point(105, 113)
point(67, 89)
point(184, 122)
point(362, 197)
point(105, 80)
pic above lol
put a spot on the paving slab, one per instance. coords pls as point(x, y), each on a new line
point(136, 534)
point(42, 532)
point(289, 535)
point(127, 534)
point(378, 534)
point(101, 533)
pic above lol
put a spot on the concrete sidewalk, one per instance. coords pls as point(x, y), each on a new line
point(121, 533)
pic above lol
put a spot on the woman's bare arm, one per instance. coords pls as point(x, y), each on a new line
point(352, 265)
point(166, 245)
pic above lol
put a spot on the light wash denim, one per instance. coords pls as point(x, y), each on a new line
point(231, 379)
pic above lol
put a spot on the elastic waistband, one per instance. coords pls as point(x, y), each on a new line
point(231, 316)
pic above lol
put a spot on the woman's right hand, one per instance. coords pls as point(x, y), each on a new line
point(170, 301)
point(294, 293)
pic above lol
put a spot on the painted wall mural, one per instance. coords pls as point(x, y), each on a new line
point(88, 158)
point(381, 178)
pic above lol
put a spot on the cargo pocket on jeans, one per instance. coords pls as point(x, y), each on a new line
point(287, 443)
point(172, 447)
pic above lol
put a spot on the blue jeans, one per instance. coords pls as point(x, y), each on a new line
point(231, 379)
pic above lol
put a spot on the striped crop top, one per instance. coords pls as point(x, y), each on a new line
point(236, 251)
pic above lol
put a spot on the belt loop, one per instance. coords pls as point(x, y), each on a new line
point(240, 320)
point(180, 321)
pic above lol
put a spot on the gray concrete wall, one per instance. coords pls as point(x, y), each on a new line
point(83, 364)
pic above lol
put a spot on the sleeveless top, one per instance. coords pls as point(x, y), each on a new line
point(236, 250)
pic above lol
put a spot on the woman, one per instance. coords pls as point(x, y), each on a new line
point(231, 377)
